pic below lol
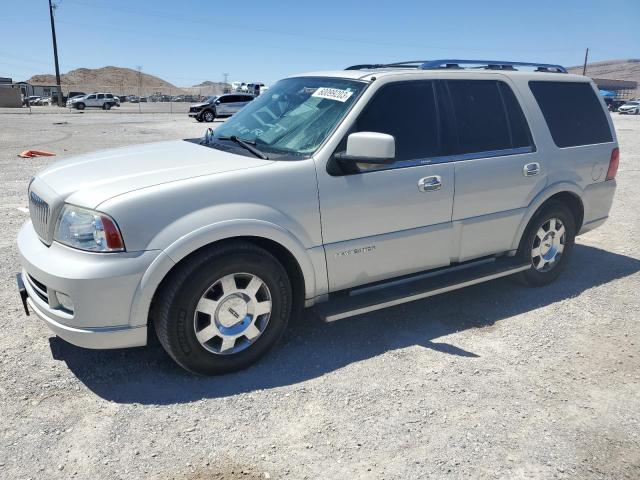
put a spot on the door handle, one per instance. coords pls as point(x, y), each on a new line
point(430, 184)
point(531, 169)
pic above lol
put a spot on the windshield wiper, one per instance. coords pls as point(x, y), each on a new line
point(246, 144)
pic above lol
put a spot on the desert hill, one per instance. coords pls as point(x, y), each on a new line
point(119, 80)
point(627, 69)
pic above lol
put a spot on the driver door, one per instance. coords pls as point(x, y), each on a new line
point(381, 222)
point(91, 100)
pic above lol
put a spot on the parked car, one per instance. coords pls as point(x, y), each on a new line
point(99, 100)
point(32, 100)
point(630, 108)
point(350, 191)
point(219, 106)
point(256, 88)
point(73, 95)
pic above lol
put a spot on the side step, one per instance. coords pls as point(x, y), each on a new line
point(371, 298)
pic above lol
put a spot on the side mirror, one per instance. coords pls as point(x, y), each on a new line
point(369, 147)
point(217, 102)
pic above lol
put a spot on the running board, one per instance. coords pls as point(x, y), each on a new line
point(369, 299)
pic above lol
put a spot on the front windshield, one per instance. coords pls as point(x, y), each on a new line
point(294, 116)
point(211, 99)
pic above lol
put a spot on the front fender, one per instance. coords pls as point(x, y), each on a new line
point(311, 261)
point(537, 202)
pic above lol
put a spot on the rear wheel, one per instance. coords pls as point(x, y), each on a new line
point(106, 106)
point(547, 244)
point(223, 308)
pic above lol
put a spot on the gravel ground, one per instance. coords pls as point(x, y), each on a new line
point(494, 381)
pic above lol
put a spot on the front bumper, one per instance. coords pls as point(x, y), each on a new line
point(101, 288)
point(194, 114)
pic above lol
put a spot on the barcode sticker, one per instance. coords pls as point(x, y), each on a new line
point(333, 94)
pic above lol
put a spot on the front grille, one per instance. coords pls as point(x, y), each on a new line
point(39, 211)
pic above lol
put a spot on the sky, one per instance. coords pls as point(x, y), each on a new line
point(191, 41)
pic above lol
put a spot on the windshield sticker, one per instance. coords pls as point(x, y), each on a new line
point(333, 94)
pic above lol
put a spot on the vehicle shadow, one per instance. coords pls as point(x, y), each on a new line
point(311, 348)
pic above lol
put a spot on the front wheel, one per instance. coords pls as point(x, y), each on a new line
point(547, 244)
point(107, 106)
point(80, 106)
point(208, 116)
point(224, 308)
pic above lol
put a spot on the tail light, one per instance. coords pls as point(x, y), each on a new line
point(614, 161)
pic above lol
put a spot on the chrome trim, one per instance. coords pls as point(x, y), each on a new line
point(451, 158)
point(39, 213)
point(419, 296)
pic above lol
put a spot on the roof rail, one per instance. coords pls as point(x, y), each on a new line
point(491, 65)
point(374, 66)
point(457, 65)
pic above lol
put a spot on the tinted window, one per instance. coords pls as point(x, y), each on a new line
point(109, 95)
point(572, 112)
point(226, 99)
point(91, 97)
point(100, 95)
point(480, 117)
point(518, 127)
point(408, 112)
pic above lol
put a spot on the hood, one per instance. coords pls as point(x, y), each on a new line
point(198, 105)
point(88, 180)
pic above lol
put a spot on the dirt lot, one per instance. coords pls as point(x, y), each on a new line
point(494, 381)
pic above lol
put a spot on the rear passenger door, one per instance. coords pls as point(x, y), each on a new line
point(498, 171)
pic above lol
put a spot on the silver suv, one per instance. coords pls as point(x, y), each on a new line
point(99, 100)
point(349, 190)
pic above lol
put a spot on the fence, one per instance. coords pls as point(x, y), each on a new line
point(138, 98)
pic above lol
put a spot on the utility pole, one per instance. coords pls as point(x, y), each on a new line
point(226, 80)
point(584, 67)
point(55, 52)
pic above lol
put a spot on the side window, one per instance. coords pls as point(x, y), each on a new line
point(480, 117)
point(100, 96)
point(91, 97)
point(572, 112)
point(520, 133)
point(226, 99)
point(408, 112)
point(108, 95)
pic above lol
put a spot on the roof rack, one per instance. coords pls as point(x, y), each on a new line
point(456, 65)
point(375, 66)
point(491, 65)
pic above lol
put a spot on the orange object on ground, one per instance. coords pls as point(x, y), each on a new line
point(36, 153)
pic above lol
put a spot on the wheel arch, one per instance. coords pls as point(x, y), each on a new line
point(296, 260)
point(567, 193)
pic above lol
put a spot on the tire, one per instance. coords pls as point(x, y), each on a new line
point(543, 236)
point(106, 106)
point(208, 116)
point(224, 274)
point(80, 106)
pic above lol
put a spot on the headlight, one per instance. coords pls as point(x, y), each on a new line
point(88, 230)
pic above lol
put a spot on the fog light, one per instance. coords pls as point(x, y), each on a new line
point(65, 301)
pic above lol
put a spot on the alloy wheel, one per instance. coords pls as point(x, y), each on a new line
point(232, 313)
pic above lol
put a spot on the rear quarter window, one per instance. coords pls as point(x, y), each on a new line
point(573, 113)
